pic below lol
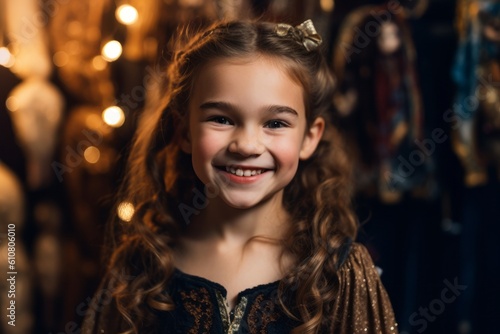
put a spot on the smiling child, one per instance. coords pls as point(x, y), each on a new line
point(243, 221)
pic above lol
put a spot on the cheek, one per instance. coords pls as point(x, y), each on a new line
point(204, 147)
point(201, 152)
point(286, 151)
point(207, 143)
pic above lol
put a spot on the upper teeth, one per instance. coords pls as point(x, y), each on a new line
point(241, 172)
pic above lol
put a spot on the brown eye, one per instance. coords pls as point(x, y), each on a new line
point(220, 120)
point(276, 124)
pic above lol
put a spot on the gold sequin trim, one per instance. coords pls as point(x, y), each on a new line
point(223, 311)
point(238, 315)
point(231, 327)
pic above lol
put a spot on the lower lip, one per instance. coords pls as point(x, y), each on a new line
point(243, 179)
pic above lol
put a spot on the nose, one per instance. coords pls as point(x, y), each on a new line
point(246, 142)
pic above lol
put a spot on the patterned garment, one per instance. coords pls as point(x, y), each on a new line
point(203, 308)
point(362, 306)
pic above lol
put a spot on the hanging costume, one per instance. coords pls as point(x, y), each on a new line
point(379, 104)
point(476, 72)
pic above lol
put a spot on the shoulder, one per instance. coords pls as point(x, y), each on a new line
point(358, 269)
point(363, 305)
point(357, 257)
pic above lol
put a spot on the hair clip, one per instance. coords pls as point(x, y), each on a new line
point(304, 33)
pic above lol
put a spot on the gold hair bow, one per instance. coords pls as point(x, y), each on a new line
point(304, 33)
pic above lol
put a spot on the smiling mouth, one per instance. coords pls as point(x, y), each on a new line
point(245, 172)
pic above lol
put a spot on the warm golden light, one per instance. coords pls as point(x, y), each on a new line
point(99, 63)
point(92, 154)
point(12, 103)
point(93, 122)
point(327, 5)
point(60, 59)
point(6, 58)
point(112, 50)
point(113, 116)
point(125, 211)
point(126, 14)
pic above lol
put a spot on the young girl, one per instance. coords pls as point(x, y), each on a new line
point(242, 221)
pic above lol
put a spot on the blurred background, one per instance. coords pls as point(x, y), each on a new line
point(418, 99)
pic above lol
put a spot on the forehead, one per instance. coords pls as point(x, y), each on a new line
point(249, 82)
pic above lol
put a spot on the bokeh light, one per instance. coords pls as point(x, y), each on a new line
point(125, 211)
point(60, 59)
point(6, 58)
point(113, 116)
point(126, 14)
point(99, 63)
point(92, 154)
point(12, 103)
point(112, 50)
point(327, 5)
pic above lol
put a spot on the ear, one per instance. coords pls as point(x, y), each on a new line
point(312, 138)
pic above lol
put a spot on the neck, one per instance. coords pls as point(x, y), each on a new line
point(221, 223)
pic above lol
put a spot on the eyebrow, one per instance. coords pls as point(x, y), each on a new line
point(229, 107)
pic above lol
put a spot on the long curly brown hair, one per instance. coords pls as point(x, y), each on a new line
point(160, 177)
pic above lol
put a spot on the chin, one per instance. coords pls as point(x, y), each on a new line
point(240, 201)
point(240, 205)
point(245, 201)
